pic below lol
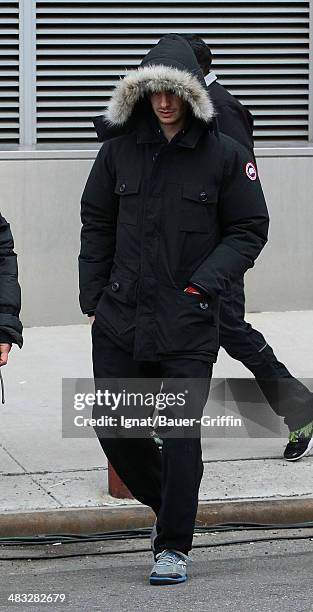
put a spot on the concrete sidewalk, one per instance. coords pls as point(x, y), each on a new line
point(41, 471)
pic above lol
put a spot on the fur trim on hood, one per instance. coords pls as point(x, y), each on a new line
point(169, 66)
point(154, 79)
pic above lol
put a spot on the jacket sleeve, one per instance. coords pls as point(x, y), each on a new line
point(10, 293)
point(99, 207)
point(244, 224)
point(237, 122)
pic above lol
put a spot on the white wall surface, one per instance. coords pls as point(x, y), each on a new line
point(40, 196)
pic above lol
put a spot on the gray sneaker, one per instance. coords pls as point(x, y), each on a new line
point(170, 568)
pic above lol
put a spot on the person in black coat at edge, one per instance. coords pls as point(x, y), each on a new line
point(10, 297)
point(171, 212)
point(287, 396)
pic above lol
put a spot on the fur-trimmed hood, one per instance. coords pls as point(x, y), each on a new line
point(170, 65)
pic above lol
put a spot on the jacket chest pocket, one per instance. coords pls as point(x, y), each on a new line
point(198, 208)
point(128, 192)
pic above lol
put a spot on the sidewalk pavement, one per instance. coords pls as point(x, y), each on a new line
point(41, 471)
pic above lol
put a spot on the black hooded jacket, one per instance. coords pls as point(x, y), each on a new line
point(233, 118)
point(158, 216)
point(10, 293)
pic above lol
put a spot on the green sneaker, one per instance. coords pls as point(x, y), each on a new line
point(300, 443)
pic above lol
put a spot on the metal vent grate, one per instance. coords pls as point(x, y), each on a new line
point(261, 53)
point(9, 72)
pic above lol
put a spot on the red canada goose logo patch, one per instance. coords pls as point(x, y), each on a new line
point(251, 171)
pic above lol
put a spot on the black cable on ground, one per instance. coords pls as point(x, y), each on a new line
point(127, 551)
point(144, 532)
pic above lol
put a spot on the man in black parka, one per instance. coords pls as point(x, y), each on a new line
point(10, 294)
point(171, 213)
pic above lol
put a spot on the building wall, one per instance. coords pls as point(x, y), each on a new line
point(41, 198)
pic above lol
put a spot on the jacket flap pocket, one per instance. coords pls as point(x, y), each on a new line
point(201, 194)
point(197, 212)
point(122, 289)
point(126, 186)
point(128, 190)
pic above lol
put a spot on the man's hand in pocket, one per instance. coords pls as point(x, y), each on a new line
point(4, 353)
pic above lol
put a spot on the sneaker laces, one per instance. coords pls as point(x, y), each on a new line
point(168, 557)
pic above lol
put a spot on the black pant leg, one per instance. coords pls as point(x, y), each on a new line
point(237, 337)
point(137, 461)
point(182, 466)
point(286, 395)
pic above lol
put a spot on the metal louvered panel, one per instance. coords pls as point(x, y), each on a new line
point(260, 48)
point(9, 72)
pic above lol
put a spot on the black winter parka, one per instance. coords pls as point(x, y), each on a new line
point(158, 216)
point(10, 293)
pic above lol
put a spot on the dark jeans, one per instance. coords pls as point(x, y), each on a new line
point(170, 483)
point(287, 396)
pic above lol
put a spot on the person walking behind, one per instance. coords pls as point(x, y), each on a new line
point(286, 395)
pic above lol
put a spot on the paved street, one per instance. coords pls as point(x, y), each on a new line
point(253, 577)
